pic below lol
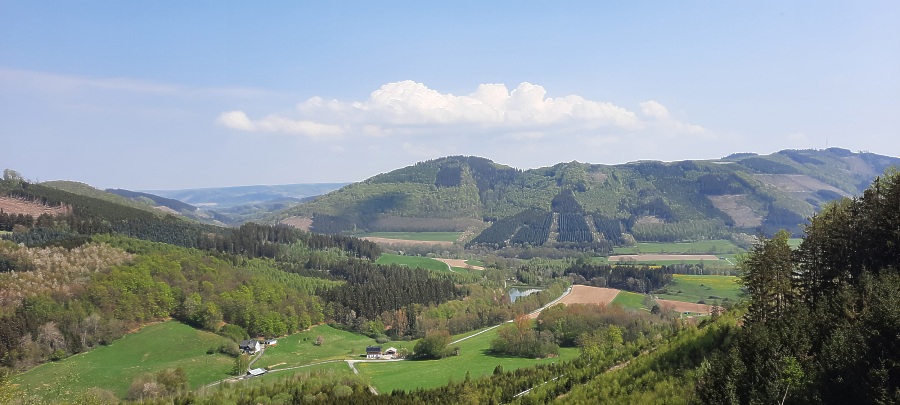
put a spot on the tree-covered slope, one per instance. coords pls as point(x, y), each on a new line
point(647, 200)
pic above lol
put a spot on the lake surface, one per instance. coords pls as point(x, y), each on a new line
point(516, 292)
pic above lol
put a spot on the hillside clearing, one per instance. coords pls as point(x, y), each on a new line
point(17, 206)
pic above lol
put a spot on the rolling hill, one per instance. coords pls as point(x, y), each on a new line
point(582, 205)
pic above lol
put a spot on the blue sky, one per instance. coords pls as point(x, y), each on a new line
point(166, 95)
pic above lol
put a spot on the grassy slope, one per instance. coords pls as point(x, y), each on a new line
point(413, 262)
point(298, 349)
point(696, 288)
point(629, 299)
point(418, 236)
point(153, 348)
point(474, 358)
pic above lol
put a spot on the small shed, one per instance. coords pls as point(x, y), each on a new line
point(373, 352)
point(256, 372)
point(271, 342)
point(390, 352)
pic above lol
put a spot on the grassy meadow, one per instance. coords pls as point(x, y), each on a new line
point(413, 262)
point(474, 357)
point(155, 347)
point(417, 236)
point(690, 288)
point(630, 300)
point(299, 348)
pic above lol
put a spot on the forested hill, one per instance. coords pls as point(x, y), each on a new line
point(648, 200)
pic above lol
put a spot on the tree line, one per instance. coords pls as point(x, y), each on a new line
point(823, 324)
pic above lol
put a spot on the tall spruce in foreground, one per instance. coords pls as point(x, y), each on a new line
point(838, 340)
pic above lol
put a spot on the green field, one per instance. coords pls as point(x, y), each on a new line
point(154, 348)
point(629, 300)
point(474, 357)
point(418, 236)
point(413, 261)
point(298, 349)
point(690, 288)
point(700, 247)
point(335, 368)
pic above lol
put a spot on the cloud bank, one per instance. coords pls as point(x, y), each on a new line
point(412, 109)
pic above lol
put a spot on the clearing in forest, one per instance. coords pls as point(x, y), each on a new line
point(17, 206)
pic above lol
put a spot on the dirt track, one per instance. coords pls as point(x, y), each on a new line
point(653, 257)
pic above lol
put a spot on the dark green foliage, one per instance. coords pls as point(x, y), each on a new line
point(331, 224)
point(573, 228)
point(448, 176)
point(433, 345)
point(371, 290)
point(721, 183)
point(9, 221)
point(612, 229)
point(535, 229)
point(768, 166)
point(824, 325)
point(782, 218)
point(565, 202)
point(45, 237)
point(537, 223)
point(630, 278)
point(521, 340)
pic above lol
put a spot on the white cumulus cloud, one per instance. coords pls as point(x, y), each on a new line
point(410, 108)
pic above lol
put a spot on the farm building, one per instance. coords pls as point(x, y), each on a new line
point(271, 342)
point(256, 372)
point(373, 352)
point(249, 346)
point(390, 353)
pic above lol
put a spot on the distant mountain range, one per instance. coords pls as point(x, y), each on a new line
point(579, 204)
point(227, 197)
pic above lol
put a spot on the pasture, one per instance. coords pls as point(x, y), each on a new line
point(413, 262)
point(474, 358)
point(154, 348)
point(300, 348)
point(416, 236)
point(690, 288)
point(630, 300)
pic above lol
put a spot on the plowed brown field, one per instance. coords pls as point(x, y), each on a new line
point(582, 294)
point(686, 306)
